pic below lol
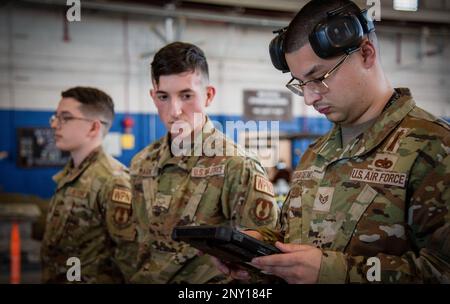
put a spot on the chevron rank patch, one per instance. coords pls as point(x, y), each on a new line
point(324, 197)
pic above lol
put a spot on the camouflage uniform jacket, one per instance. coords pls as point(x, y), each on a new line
point(385, 195)
point(170, 191)
point(90, 218)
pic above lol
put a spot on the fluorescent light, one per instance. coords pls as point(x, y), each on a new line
point(406, 5)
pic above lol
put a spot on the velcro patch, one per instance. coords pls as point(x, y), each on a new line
point(71, 191)
point(296, 191)
point(302, 175)
point(311, 173)
point(121, 216)
point(394, 143)
point(367, 195)
point(384, 161)
point(295, 202)
point(162, 200)
point(209, 171)
point(263, 185)
point(145, 171)
point(121, 196)
point(323, 199)
point(379, 177)
point(263, 209)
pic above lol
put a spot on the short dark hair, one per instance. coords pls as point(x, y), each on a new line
point(179, 57)
point(94, 103)
point(308, 17)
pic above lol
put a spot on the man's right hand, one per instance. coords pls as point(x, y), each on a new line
point(235, 271)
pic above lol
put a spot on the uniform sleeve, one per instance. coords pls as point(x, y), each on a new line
point(248, 195)
point(271, 235)
point(429, 222)
point(121, 224)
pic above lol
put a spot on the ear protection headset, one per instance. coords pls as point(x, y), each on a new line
point(340, 32)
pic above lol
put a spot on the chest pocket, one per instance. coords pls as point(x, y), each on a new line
point(376, 195)
point(299, 204)
point(334, 229)
point(167, 256)
point(166, 260)
point(351, 218)
point(160, 206)
point(69, 208)
point(294, 215)
point(188, 216)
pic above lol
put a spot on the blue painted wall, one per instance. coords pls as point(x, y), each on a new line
point(148, 128)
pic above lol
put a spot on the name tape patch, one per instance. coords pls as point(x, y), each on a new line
point(303, 175)
point(377, 177)
point(209, 171)
point(71, 191)
point(309, 174)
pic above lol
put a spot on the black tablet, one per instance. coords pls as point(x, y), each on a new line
point(224, 242)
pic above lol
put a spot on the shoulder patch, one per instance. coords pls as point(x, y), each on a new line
point(263, 185)
point(121, 216)
point(263, 209)
point(121, 195)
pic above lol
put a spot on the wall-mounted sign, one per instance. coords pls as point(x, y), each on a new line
point(267, 105)
point(36, 148)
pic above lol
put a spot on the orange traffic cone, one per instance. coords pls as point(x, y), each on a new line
point(15, 254)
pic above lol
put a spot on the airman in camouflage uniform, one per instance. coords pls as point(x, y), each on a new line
point(370, 200)
point(229, 187)
point(89, 215)
point(385, 195)
point(89, 218)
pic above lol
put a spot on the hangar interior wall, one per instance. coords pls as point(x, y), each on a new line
point(39, 58)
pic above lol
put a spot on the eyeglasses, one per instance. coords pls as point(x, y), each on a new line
point(64, 119)
point(317, 85)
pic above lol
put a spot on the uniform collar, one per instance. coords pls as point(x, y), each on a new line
point(69, 174)
point(185, 162)
point(400, 104)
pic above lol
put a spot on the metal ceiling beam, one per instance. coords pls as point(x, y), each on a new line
point(424, 16)
point(145, 10)
point(387, 10)
point(280, 5)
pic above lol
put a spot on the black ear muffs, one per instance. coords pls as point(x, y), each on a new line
point(339, 35)
point(276, 51)
point(366, 22)
point(341, 32)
